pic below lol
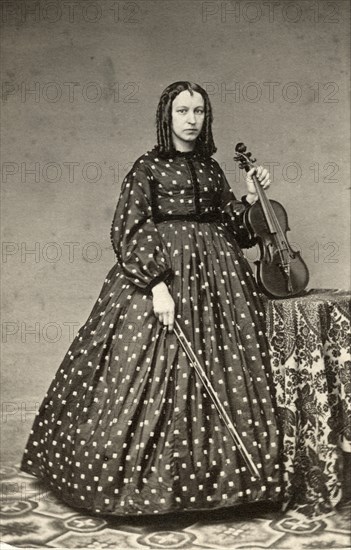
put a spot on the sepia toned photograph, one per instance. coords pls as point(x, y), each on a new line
point(175, 221)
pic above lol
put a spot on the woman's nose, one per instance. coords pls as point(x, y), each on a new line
point(191, 117)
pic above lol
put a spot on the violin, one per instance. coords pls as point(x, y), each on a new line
point(280, 271)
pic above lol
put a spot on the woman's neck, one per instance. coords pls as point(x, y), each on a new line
point(183, 146)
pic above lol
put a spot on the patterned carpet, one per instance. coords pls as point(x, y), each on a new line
point(32, 517)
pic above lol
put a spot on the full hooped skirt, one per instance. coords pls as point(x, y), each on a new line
point(126, 426)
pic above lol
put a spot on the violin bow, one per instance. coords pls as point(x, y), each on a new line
point(195, 363)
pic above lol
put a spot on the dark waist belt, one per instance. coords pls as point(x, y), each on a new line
point(205, 217)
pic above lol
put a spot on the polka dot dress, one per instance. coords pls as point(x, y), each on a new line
point(126, 427)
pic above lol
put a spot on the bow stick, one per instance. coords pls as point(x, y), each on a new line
point(195, 363)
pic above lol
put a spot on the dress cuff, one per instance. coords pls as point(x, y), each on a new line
point(165, 277)
point(244, 201)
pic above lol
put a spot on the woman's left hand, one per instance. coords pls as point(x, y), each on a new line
point(262, 176)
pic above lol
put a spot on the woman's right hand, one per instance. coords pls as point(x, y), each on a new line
point(163, 305)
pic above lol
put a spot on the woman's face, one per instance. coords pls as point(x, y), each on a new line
point(188, 114)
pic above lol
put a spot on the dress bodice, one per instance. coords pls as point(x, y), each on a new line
point(183, 185)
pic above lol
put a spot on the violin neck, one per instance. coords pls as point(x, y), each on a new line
point(266, 205)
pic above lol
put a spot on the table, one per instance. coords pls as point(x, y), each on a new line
point(309, 340)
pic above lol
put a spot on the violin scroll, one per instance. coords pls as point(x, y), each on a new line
point(244, 159)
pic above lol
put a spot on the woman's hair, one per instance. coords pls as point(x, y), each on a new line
point(204, 143)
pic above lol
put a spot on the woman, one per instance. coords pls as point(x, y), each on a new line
point(126, 427)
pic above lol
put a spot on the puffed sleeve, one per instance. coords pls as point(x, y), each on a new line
point(232, 211)
point(135, 237)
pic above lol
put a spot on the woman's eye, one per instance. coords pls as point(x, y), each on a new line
point(200, 112)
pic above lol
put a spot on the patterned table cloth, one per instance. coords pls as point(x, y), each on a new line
point(309, 340)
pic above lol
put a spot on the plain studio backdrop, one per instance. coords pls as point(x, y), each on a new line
point(80, 85)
